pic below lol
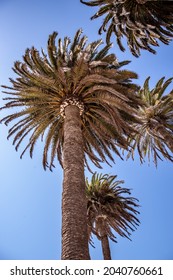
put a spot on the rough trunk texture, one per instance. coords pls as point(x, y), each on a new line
point(105, 247)
point(74, 203)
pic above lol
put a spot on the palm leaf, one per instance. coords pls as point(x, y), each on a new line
point(143, 23)
point(72, 72)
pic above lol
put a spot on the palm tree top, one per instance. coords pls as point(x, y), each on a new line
point(72, 72)
point(143, 23)
point(110, 206)
point(155, 131)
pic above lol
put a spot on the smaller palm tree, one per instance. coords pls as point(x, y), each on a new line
point(155, 128)
point(142, 22)
point(109, 208)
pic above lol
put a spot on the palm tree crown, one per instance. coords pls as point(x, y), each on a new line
point(143, 23)
point(72, 73)
point(110, 207)
point(155, 131)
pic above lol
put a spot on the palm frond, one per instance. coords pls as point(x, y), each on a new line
point(72, 72)
point(154, 132)
point(143, 23)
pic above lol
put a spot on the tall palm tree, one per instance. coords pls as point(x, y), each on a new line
point(155, 131)
point(78, 99)
point(109, 207)
point(142, 22)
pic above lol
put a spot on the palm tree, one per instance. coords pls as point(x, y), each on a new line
point(142, 22)
point(78, 99)
point(155, 131)
point(109, 207)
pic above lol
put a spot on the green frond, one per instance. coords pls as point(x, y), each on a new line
point(154, 132)
point(163, 87)
point(101, 11)
point(76, 39)
point(54, 129)
point(72, 72)
point(106, 20)
point(42, 66)
point(52, 50)
point(103, 52)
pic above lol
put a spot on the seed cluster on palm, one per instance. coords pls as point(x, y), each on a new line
point(143, 23)
point(155, 129)
point(110, 209)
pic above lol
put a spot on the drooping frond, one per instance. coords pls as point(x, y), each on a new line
point(143, 23)
point(110, 207)
point(155, 131)
point(71, 73)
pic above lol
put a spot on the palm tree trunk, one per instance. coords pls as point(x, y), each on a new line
point(105, 247)
point(74, 203)
point(168, 140)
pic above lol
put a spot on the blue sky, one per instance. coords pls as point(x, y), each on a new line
point(30, 208)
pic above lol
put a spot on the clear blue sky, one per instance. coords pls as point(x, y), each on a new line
point(30, 207)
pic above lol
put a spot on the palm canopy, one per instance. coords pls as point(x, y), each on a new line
point(143, 23)
point(72, 73)
point(155, 131)
point(110, 207)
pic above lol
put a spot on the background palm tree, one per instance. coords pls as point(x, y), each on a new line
point(143, 23)
point(109, 207)
point(155, 131)
point(80, 100)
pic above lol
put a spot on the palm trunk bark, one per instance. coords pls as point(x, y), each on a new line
point(74, 203)
point(105, 247)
